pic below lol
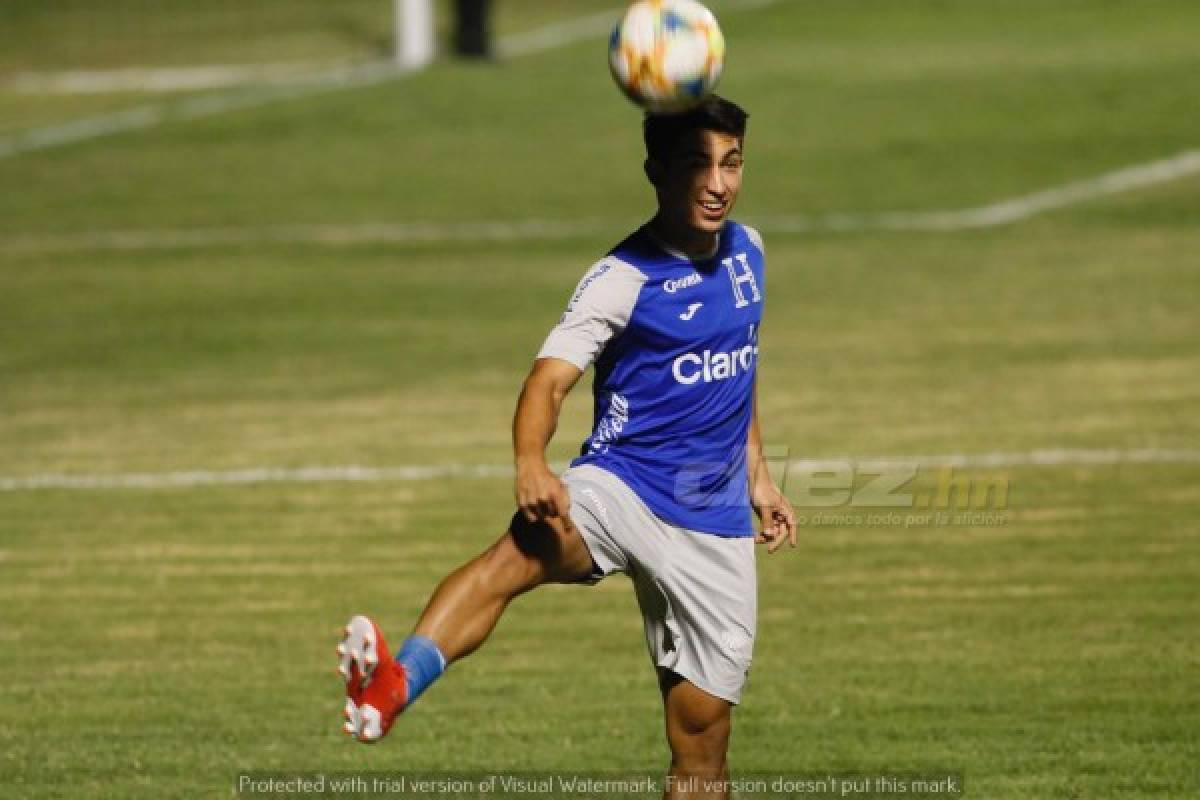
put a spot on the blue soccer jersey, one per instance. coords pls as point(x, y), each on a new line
point(675, 345)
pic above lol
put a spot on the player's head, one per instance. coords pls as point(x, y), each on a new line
point(694, 161)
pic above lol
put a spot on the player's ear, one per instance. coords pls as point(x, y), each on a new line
point(654, 171)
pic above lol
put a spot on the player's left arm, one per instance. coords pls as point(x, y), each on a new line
point(773, 509)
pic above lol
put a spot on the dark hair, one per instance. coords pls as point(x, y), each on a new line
point(664, 132)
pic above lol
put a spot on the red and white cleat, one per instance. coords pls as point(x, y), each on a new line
point(376, 690)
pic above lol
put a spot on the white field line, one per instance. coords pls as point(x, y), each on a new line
point(254, 475)
point(1127, 179)
point(412, 473)
point(590, 26)
point(539, 40)
point(1028, 458)
point(148, 116)
point(557, 34)
point(1004, 212)
point(162, 79)
point(326, 235)
point(594, 25)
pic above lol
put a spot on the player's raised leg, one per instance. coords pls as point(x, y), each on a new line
point(460, 615)
point(467, 604)
point(698, 727)
point(541, 545)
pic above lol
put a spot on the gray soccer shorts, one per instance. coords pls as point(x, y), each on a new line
point(697, 591)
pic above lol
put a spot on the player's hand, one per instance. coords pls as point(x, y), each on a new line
point(777, 516)
point(539, 492)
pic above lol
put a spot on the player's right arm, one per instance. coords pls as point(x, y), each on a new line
point(539, 492)
point(598, 310)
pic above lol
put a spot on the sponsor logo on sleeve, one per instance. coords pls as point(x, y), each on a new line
point(587, 281)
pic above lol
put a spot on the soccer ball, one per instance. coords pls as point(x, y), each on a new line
point(667, 55)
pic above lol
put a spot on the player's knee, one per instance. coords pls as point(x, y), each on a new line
point(506, 569)
point(699, 745)
point(552, 548)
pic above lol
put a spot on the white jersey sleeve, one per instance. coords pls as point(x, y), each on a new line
point(755, 237)
point(599, 310)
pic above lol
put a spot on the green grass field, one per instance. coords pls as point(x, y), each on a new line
point(155, 643)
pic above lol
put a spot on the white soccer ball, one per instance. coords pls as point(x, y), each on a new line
point(667, 55)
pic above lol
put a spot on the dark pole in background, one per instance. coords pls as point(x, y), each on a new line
point(471, 37)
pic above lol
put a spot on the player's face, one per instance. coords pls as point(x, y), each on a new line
point(702, 181)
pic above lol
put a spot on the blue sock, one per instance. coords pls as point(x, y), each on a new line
point(423, 664)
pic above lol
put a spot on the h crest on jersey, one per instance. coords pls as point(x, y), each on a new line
point(739, 277)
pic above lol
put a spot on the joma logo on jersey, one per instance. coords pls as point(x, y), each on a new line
point(675, 284)
point(741, 280)
point(709, 366)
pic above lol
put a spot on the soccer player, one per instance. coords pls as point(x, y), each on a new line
point(665, 483)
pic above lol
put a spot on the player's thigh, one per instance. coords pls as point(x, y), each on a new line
point(551, 550)
point(698, 723)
